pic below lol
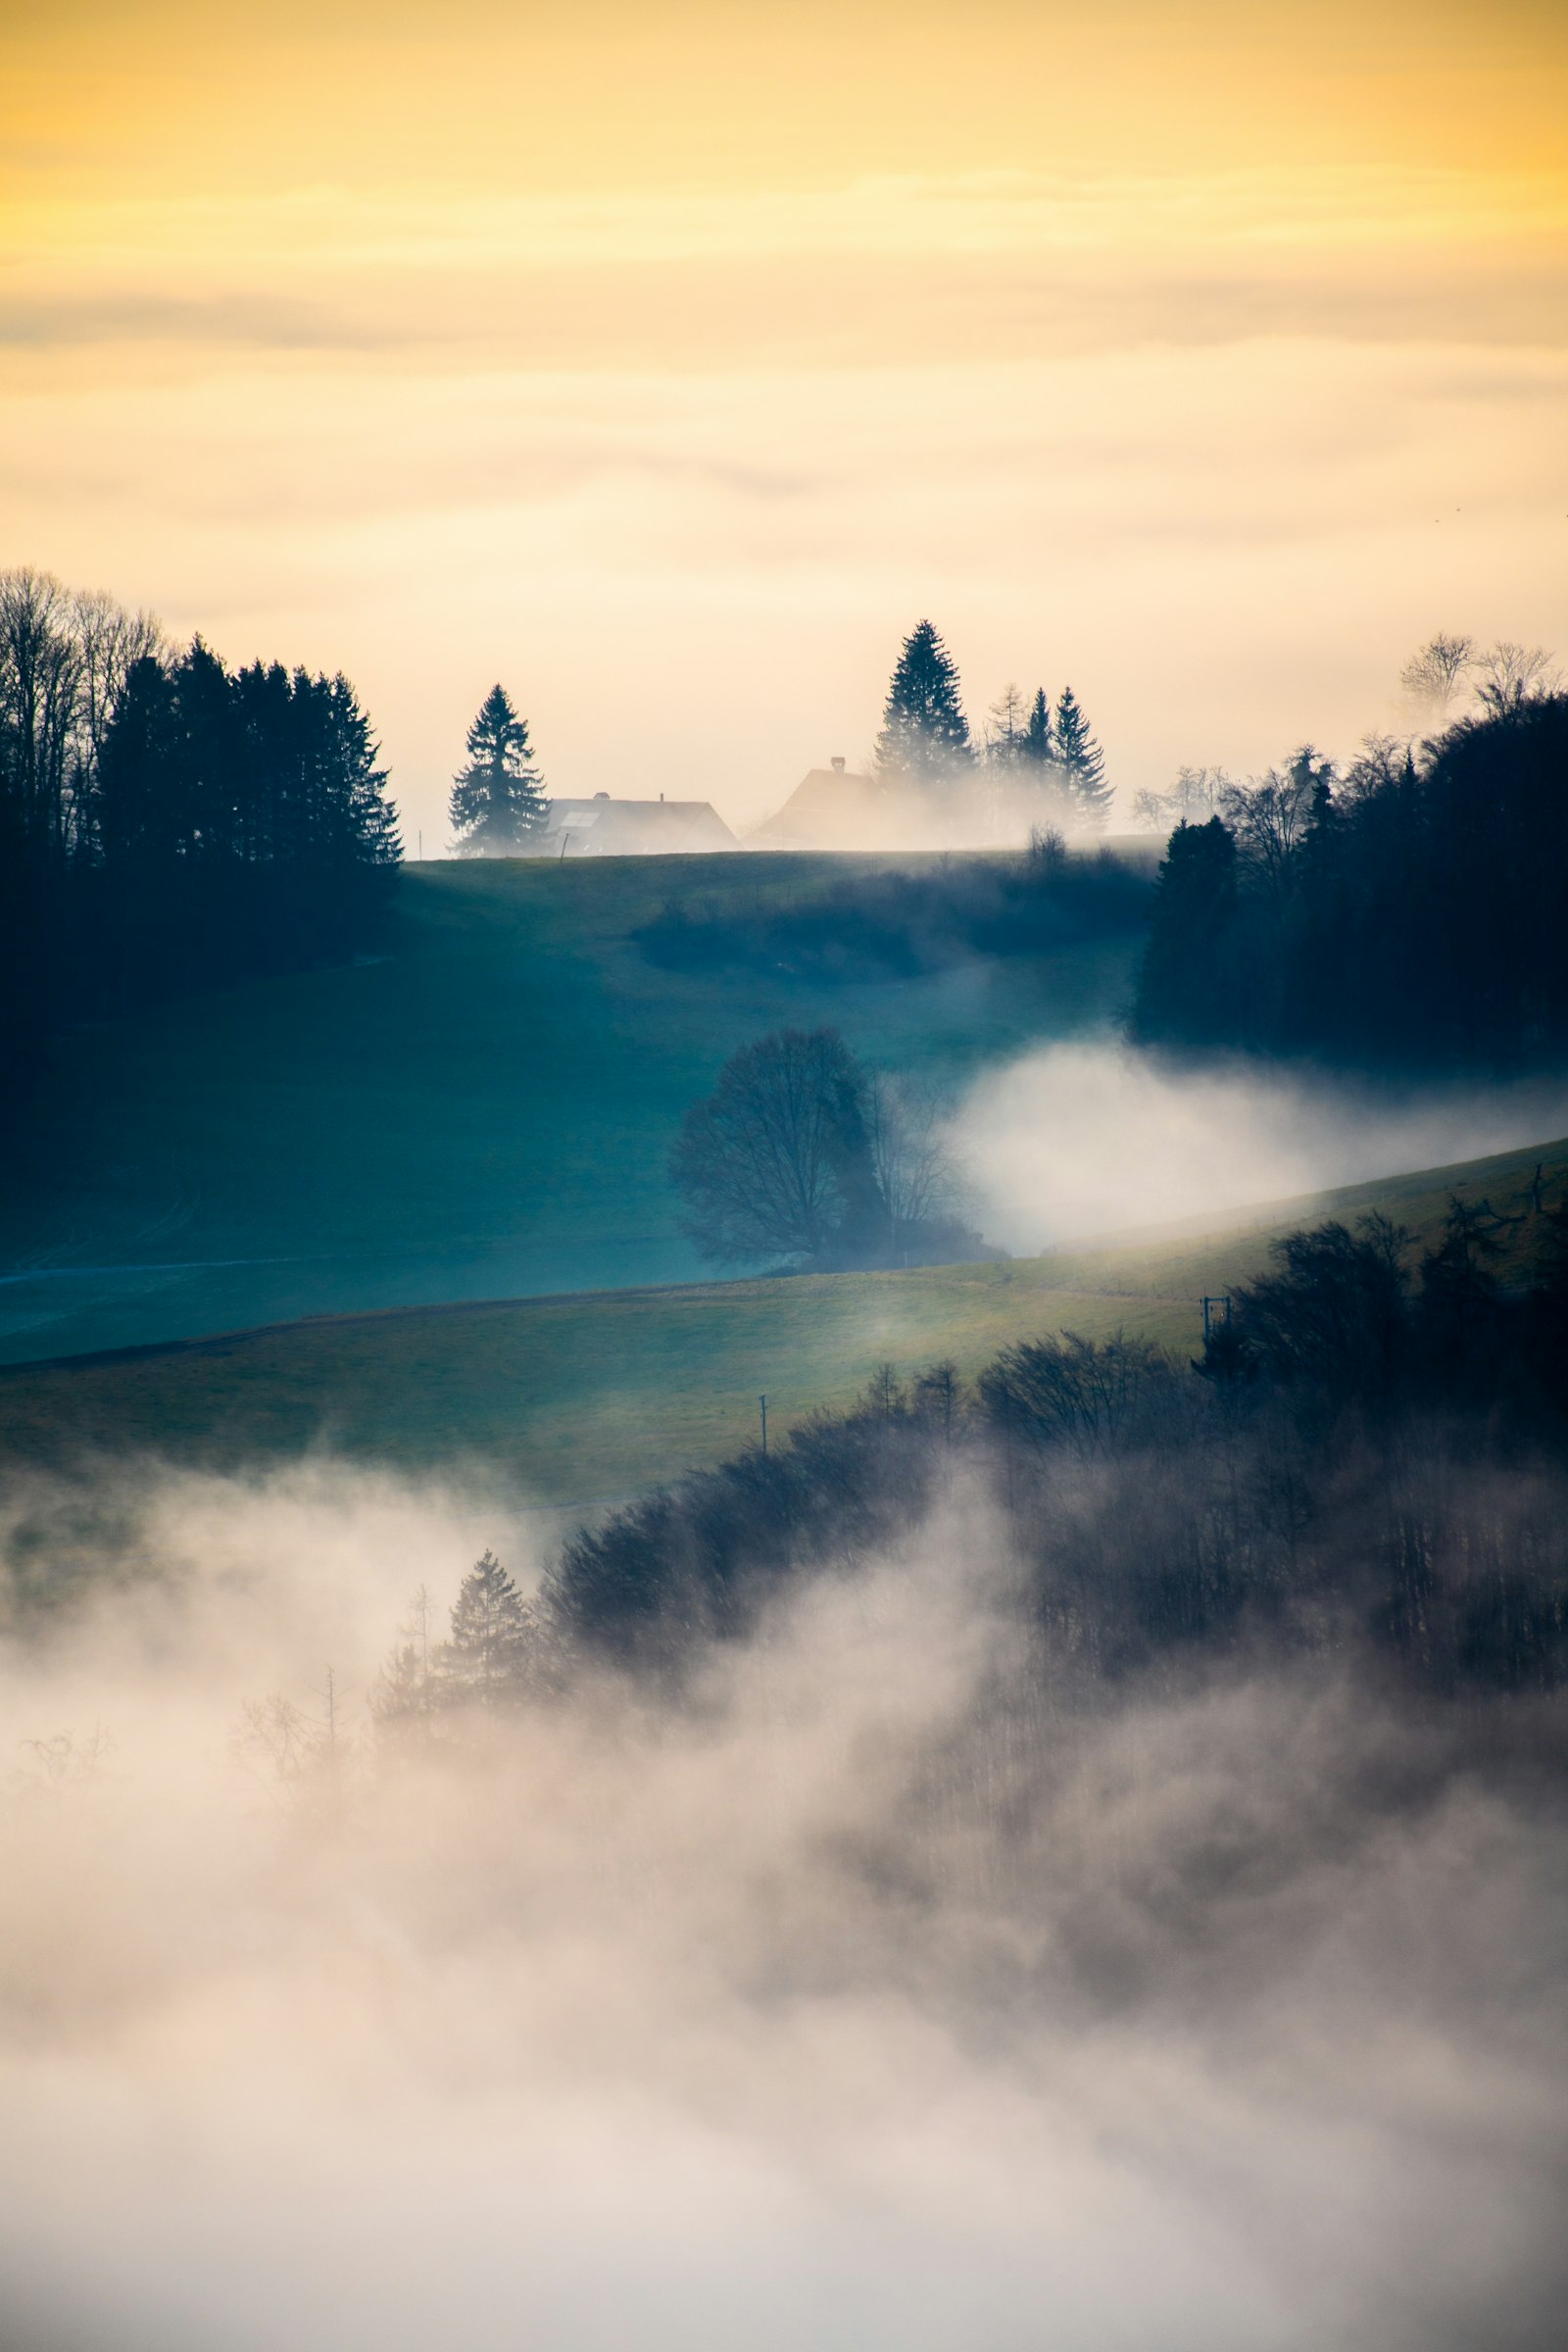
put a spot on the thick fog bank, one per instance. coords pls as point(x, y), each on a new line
point(877, 1993)
point(1084, 1138)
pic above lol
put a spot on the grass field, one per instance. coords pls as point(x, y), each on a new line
point(588, 1397)
point(485, 1113)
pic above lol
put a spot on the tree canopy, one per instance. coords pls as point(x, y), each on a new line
point(1407, 911)
point(167, 822)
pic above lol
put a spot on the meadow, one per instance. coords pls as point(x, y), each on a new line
point(485, 1110)
point(582, 1399)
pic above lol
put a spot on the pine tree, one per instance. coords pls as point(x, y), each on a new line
point(492, 1632)
point(924, 732)
point(498, 799)
point(141, 750)
point(1037, 742)
point(1082, 763)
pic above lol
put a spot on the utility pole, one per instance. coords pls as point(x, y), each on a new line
point(762, 1402)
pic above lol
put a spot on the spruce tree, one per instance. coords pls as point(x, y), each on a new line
point(924, 733)
point(1037, 742)
point(498, 799)
point(492, 1632)
point(1082, 763)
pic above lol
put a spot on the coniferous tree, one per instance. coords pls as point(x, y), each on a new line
point(1187, 983)
point(492, 1632)
point(498, 799)
point(1038, 743)
point(142, 749)
point(924, 734)
point(1081, 762)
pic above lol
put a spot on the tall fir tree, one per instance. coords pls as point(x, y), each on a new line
point(1037, 742)
point(1082, 763)
point(493, 1634)
point(498, 805)
point(924, 733)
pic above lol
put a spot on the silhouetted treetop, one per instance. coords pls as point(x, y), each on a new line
point(498, 802)
point(924, 733)
point(1408, 912)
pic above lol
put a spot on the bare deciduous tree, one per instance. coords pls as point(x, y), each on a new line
point(1431, 678)
point(1195, 795)
point(1006, 724)
point(1512, 675)
point(911, 1169)
point(64, 663)
point(1270, 815)
point(767, 1164)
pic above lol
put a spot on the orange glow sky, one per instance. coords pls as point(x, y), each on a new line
point(667, 363)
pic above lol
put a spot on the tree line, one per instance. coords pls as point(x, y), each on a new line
point(1408, 911)
point(925, 741)
point(867, 924)
point(1367, 1463)
point(168, 823)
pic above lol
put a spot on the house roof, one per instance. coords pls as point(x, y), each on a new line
point(603, 828)
point(830, 809)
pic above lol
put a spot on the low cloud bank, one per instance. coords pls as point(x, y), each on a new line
point(871, 1994)
point(1085, 1139)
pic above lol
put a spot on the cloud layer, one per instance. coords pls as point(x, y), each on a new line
point(861, 1999)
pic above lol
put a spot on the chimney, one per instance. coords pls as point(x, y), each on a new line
point(838, 764)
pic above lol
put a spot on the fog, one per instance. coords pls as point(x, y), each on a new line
point(862, 1996)
point(1077, 1139)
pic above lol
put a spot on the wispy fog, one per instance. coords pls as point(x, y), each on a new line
point(866, 1998)
point(1078, 1140)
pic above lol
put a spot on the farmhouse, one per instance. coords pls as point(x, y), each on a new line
point(830, 809)
point(609, 828)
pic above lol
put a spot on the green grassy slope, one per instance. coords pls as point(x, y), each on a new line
point(587, 1397)
point(486, 1112)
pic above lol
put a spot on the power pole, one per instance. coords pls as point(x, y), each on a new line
point(762, 1402)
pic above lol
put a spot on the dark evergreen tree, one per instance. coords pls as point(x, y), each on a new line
point(1082, 763)
point(924, 733)
point(1037, 742)
point(498, 802)
point(165, 824)
point(1410, 914)
point(1187, 978)
point(141, 754)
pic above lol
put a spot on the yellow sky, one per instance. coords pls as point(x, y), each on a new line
point(669, 362)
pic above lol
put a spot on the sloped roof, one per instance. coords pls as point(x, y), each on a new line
point(830, 809)
point(603, 828)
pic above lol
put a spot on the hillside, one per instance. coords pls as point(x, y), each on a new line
point(485, 1111)
point(584, 1397)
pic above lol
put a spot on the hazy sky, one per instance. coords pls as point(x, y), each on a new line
point(669, 362)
